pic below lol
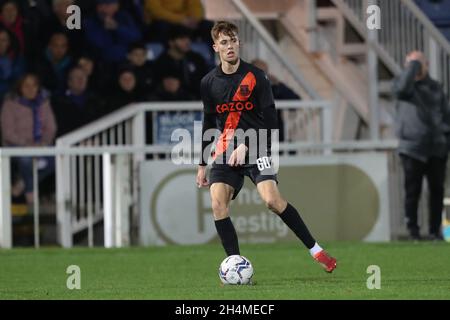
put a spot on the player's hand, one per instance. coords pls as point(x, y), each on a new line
point(237, 158)
point(201, 177)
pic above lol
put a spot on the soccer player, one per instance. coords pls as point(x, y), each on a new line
point(237, 98)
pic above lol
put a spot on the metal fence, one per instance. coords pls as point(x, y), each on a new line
point(404, 28)
point(97, 169)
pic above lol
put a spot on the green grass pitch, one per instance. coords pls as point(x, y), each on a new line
point(282, 271)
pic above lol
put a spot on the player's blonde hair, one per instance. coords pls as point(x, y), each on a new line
point(225, 27)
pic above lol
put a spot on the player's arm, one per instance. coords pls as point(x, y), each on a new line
point(237, 157)
point(270, 115)
point(209, 122)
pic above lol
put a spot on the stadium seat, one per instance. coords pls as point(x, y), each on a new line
point(154, 49)
point(204, 50)
point(438, 11)
point(446, 32)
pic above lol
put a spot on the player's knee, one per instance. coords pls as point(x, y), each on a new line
point(220, 209)
point(274, 204)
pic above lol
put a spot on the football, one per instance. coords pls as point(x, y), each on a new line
point(236, 269)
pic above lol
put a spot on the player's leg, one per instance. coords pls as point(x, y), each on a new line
point(221, 195)
point(226, 183)
point(271, 196)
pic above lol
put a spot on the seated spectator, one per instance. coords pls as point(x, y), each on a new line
point(280, 92)
point(136, 9)
point(110, 31)
point(143, 69)
point(180, 59)
point(99, 76)
point(87, 6)
point(27, 120)
point(170, 89)
point(163, 15)
point(13, 21)
point(12, 64)
point(77, 106)
point(35, 13)
point(52, 68)
point(57, 23)
point(126, 91)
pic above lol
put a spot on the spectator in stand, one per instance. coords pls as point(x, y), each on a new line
point(57, 23)
point(110, 31)
point(12, 64)
point(136, 9)
point(27, 120)
point(180, 59)
point(77, 106)
point(98, 75)
point(163, 15)
point(52, 68)
point(126, 91)
point(170, 89)
point(142, 68)
point(11, 19)
point(280, 92)
point(36, 13)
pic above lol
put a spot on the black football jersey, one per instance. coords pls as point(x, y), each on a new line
point(239, 105)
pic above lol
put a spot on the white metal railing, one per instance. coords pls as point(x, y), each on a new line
point(83, 181)
point(258, 43)
point(116, 197)
point(69, 221)
point(404, 27)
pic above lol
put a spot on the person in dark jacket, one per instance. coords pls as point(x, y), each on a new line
point(179, 58)
point(423, 123)
point(57, 22)
point(77, 106)
point(53, 66)
point(12, 64)
point(126, 90)
point(142, 67)
point(110, 31)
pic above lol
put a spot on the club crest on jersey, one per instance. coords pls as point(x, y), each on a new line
point(244, 90)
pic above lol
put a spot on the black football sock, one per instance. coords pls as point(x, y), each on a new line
point(293, 220)
point(228, 235)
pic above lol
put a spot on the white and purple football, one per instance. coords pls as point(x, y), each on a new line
point(236, 269)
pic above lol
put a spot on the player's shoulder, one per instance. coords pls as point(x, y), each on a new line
point(259, 74)
point(206, 80)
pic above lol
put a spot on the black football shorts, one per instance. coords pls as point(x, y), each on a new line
point(234, 176)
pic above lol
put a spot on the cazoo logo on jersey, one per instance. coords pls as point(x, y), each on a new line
point(234, 107)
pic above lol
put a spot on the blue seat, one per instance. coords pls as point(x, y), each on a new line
point(205, 51)
point(438, 11)
point(154, 50)
point(446, 32)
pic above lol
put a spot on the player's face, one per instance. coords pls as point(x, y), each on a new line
point(227, 47)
